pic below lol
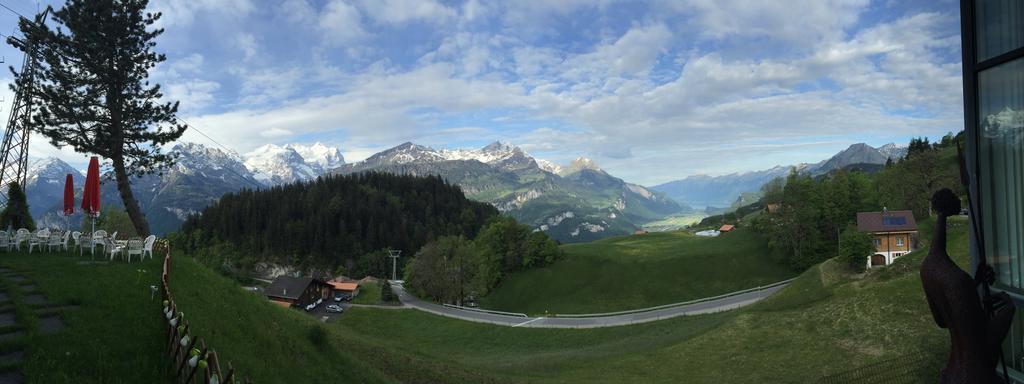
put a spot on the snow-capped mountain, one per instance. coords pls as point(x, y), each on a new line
point(44, 188)
point(327, 158)
point(893, 151)
point(200, 177)
point(198, 159)
point(273, 164)
point(498, 154)
point(578, 203)
point(50, 171)
point(548, 166)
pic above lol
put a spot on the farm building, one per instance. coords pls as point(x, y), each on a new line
point(288, 291)
point(727, 228)
point(894, 233)
point(349, 287)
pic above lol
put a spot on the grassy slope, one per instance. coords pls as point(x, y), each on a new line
point(114, 336)
point(640, 271)
point(824, 323)
point(369, 293)
point(277, 345)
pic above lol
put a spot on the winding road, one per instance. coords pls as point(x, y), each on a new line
point(610, 320)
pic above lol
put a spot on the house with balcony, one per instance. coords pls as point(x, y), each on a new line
point(894, 234)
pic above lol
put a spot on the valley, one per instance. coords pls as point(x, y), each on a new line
point(640, 271)
point(491, 192)
point(816, 321)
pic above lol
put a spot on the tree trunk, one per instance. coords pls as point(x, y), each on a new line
point(124, 188)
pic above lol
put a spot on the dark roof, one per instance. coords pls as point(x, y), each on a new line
point(287, 287)
point(891, 221)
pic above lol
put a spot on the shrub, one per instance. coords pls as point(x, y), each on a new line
point(386, 294)
point(16, 215)
point(854, 248)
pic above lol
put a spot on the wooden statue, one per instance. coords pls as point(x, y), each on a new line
point(976, 330)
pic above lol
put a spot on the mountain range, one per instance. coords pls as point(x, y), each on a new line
point(577, 202)
point(573, 202)
point(200, 176)
point(711, 192)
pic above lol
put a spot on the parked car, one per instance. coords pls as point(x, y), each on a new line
point(335, 308)
point(342, 296)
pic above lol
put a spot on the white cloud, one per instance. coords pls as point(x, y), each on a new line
point(246, 42)
point(341, 22)
point(183, 13)
point(261, 86)
point(402, 11)
point(193, 94)
point(633, 53)
point(672, 85)
point(297, 11)
point(804, 22)
point(274, 133)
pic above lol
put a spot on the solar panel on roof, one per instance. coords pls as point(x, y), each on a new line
point(894, 221)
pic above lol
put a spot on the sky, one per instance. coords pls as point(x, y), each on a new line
point(652, 91)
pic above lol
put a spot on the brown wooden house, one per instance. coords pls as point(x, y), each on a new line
point(297, 291)
point(894, 234)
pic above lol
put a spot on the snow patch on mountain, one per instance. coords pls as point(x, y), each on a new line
point(50, 170)
point(548, 166)
point(319, 154)
point(893, 151)
point(280, 164)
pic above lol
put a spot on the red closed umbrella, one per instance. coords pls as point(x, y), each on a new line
point(91, 195)
point(69, 196)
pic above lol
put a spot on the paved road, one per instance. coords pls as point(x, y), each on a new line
point(718, 305)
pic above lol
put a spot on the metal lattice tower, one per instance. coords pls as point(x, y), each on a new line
point(14, 150)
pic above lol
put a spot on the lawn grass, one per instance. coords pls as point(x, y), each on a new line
point(113, 332)
point(369, 293)
point(826, 322)
point(640, 271)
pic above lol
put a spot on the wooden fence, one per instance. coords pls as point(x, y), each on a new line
point(191, 359)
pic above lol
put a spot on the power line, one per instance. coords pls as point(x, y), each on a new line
point(12, 10)
point(227, 150)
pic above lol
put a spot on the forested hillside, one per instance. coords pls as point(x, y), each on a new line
point(340, 223)
point(815, 210)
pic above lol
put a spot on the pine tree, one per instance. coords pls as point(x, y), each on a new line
point(93, 92)
point(16, 214)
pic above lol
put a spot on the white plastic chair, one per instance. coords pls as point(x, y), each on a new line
point(134, 247)
point(109, 245)
point(98, 238)
point(56, 240)
point(38, 239)
point(5, 241)
point(113, 237)
point(67, 239)
point(147, 246)
point(21, 236)
point(76, 235)
point(85, 241)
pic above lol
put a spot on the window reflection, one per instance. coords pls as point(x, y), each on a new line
point(1001, 120)
point(1000, 27)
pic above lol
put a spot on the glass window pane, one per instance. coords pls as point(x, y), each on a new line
point(1000, 27)
point(1001, 157)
